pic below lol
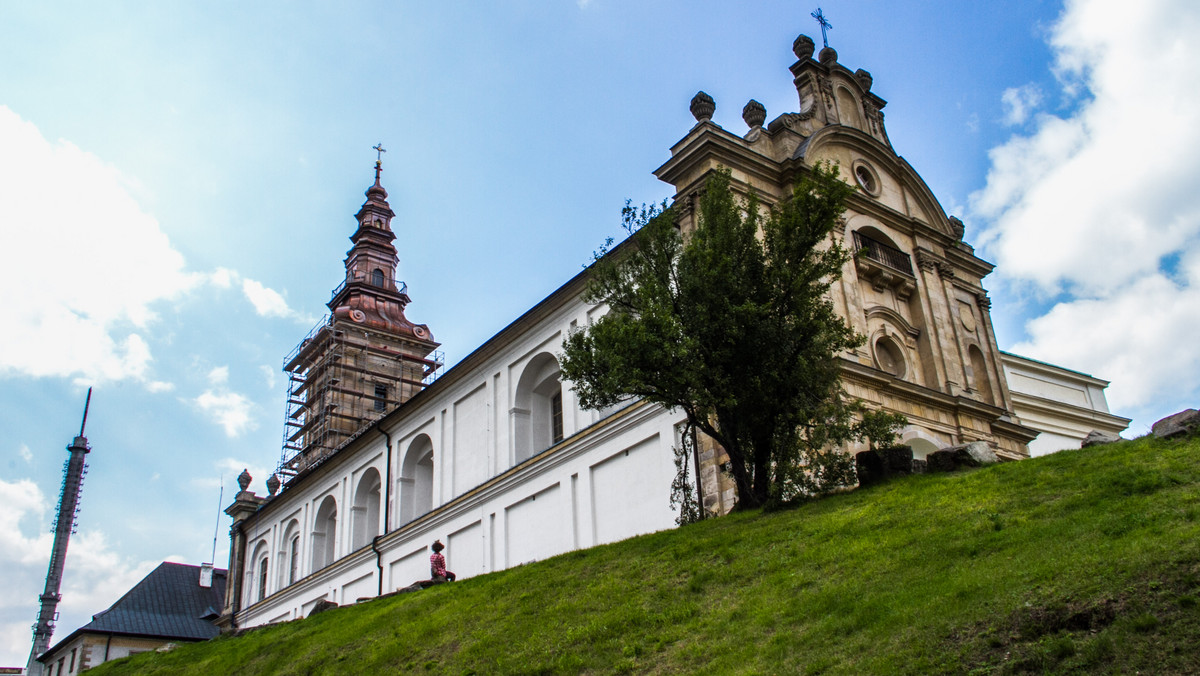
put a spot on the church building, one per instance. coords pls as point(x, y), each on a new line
point(384, 453)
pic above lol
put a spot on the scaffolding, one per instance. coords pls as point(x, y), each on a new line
point(342, 377)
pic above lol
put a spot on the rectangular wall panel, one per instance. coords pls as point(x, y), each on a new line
point(537, 527)
point(470, 440)
point(627, 489)
point(464, 551)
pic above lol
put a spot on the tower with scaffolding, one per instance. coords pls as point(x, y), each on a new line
point(365, 357)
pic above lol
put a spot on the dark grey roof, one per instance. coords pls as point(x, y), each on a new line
point(167, 603)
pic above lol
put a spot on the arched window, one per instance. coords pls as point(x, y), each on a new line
point(538, 413)
point(416, 479)
point(288, 562)
point(377, 278)
point(983, 384)
point(324, 535)
point(366, 509)
point(256, 585)
point(262, 578)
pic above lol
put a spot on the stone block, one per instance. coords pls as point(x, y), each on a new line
point(870, 468)
point(1180, 424)
point(899, 459)
point(941, 461)
point(1098, 438)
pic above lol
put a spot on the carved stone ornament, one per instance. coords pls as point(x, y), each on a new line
point(984, 301)
point(273, 484)
point(244, 479)
point(926, 261)
point(827, 56)
point(864, 79)
point(703, 107)
point(957, 226)
point(945, 269)
point(754, 114)
point(826, 90)
point(803, 47)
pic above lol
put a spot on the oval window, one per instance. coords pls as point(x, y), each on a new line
point(889, 357)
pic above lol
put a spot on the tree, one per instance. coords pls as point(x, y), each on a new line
point(732, 324)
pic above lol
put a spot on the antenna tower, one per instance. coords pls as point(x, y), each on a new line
point(64, 525)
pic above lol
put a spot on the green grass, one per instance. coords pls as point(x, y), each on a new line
point(1078, 562)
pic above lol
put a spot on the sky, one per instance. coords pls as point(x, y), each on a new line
point(178, 182)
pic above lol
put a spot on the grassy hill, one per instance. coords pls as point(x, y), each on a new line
point(1083, 561)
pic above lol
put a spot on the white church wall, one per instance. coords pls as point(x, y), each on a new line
point(606, 485)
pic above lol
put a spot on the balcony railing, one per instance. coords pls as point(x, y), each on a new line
point(402, 287)
point(882, 253)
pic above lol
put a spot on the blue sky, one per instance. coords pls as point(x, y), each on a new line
point(178, 183)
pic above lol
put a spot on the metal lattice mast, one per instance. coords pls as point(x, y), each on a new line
point(64, 525)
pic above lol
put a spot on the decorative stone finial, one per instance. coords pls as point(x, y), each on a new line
point(803, 47)
point(827, 56)
point(273, 484)
point(754, 114)
point(703, 107)
point(957, 226)
point(244, 479)
point(864, 79)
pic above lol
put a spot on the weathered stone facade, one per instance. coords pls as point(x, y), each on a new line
point(914, 290)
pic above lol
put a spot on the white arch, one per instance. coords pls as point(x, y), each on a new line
point(257, 589)
point(416, 479)
point(537, 412)
point(324, 535)
point(365, 512)
point(288, 561)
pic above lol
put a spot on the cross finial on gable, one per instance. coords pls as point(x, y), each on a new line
point(825, 25)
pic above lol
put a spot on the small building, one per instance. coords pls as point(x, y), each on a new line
point(175, 603)
point(1064, 406)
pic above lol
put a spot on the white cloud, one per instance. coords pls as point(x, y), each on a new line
point(230, 410)
point(1019, 103)
point(76, 255)
point(95, 575)
point(158, 386)
point(1096, 204)
point(26, 454)
point(267, 302)
point(268, 375)
point(219, 375)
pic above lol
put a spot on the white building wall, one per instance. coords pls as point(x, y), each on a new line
point(609, 484)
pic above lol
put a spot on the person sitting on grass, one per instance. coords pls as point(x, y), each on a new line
point(437, 564)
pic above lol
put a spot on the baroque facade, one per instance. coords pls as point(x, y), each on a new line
point(496, 458)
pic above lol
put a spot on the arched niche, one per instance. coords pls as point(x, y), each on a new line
point(324, 535)
point(979, 371)
point(848, 109)
point(365, 512)
point(537, 414)
point(288, 561)
point(416, 479)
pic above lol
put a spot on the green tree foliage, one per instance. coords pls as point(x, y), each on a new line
point(733, 325)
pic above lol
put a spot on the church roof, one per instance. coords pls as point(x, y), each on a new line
point(168, 603)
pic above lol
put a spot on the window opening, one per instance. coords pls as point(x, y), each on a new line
point(294, 560)
point(377, 277)
point(556, 418)
point(381, 393)
point(262, 579)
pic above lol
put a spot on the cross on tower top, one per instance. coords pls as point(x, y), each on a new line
point(379, 151)
point(825, 25)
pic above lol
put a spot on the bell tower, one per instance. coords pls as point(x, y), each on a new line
point(365, 358)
